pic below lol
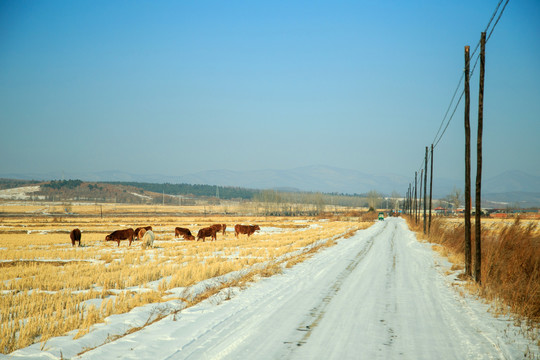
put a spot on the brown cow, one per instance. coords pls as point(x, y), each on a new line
point(245, 229)
point(205, 232)
point(75, 236)
point(137, 230)
point(126, 234)
point(219, 227)
point(185, 233)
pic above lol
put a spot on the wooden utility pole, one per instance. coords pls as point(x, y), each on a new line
point(412, 201)
point(415, 203)
point(409, 207)
point(406, 210)
point(478, 225)
point(467, 211)
point(409, 200)
point(405, 201)
point(420, 194)
point(430, 189)
point(425, 188)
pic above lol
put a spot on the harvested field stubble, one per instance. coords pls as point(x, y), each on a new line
point(49, 288)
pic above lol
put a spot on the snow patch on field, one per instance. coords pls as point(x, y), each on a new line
point(141, 196)
point(270, 230)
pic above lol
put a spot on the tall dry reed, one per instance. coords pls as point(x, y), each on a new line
point(510, 260)
point(511, 267)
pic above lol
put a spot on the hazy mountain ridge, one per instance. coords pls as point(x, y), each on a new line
point(512, 181)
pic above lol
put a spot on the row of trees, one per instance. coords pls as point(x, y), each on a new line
point(221, 192)
point(68, 190)
point(13, 183)
point(63, 184)
point(285, 203)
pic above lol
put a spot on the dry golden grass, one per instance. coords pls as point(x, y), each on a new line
point(121, 209)
point(49, 288)
point(510, 260)
point(201, 208)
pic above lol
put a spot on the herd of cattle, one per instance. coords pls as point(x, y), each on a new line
point(146, 235)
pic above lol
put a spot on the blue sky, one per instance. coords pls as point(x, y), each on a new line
point(175, 87)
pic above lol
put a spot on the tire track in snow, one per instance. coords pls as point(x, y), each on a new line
point(213, 341)
point(390, 288)
point(318, 312)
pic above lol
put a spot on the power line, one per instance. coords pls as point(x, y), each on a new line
point(438, 137)
point(449, 106)
point(496, 22)
point(435, 140)
point(450, 119)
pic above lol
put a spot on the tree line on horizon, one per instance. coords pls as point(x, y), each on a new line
point(196, 190)
point(141, 192)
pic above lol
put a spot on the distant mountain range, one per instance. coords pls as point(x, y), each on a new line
point(509, 187)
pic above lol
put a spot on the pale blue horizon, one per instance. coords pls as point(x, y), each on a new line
point(180, 87)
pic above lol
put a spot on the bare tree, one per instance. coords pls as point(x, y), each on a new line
point(395, 200)
point(373, 199)
point(455, 198)
point(320, 202)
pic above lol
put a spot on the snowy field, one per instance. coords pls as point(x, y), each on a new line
point(380, 294)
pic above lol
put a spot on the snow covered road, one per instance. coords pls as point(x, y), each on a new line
point(380, 294)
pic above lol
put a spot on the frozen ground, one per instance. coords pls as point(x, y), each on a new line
point(380, 294)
